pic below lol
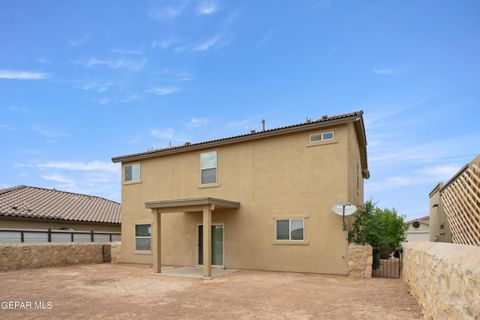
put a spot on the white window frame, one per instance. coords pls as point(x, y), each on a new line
point(139, 173)
point(206, 168)
point(142, 237)
point(290, 229)
point(321, 134)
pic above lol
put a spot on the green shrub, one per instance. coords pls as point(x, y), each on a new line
point(383, 229)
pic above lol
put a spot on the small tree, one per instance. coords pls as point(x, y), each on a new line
point(383, 229)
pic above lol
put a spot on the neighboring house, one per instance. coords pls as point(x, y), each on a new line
point(255, 201)
point(418, 230)
point(25, 207)
point(439, 226)
point(459, 201)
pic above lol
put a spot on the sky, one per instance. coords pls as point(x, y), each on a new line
point(82, 81)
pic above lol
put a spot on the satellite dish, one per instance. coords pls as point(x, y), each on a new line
point(343, 209)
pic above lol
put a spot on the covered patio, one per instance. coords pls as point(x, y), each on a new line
point(206, 206)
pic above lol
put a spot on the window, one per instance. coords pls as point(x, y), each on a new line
point(325, 136)
point(132, 172)
point(143, 237)
point(208, 167)
point(289, 229)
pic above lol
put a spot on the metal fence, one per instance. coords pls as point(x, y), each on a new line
point(388, 268)
point(49, 235)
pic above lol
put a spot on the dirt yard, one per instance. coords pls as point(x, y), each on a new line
point(130, 291)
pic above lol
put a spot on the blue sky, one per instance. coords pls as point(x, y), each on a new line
point(82, 81)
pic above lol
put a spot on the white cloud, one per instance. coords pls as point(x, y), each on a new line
point(103, 100)
point(50, 133)
point(23, 75)
point(96, 86)
point(197, 122)
point(387, 70)
point(121, 63)
point(165, 134)
point(43, 60)
point(95, 165)
point(168, 134)
point(130, 98)
point(207, 7)
point(165, 43)
point(134, 51)
point(80, 41)
point(166, 12)
point(207, 44)
point(442, 172)
point(56, 177)
point(6, 127)
point(184, 76)
point(162, 91)
point(265, 39)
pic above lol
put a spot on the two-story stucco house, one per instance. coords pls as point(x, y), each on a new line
point(255, 201)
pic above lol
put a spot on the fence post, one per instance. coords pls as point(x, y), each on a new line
point(91, 235)
point(22, 236)
point(49, 235)
point(110, 237)
point(71, 236)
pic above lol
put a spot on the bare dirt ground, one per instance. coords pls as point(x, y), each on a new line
point(132, 292)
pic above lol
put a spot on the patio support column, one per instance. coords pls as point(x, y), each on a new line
point(156, 241)
point(207, 241)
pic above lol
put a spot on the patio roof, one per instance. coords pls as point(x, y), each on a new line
point(191, 205)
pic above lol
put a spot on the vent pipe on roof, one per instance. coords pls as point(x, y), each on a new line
point(324, 117)
point(308, 120)
point(263, 124)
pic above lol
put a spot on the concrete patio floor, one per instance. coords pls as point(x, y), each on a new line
point(193, 272)
point(107, 291)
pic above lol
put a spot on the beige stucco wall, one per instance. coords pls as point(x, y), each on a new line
point(28, 256)
point(444, 278)
point(438, 218)
point(280, 176)
point(27, 224)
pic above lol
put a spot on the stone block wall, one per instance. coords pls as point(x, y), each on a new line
point(27, 256)
point(359, 261)
point(116, 252)
point(444, 278)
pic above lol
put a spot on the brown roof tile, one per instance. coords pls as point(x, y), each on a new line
point(41, 203)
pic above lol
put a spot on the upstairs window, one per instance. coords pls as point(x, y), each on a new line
point(324, 136)
point(132, 172)
point(208, 167)
point(289, 229)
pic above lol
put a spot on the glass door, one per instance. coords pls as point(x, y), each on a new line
point(217, 245)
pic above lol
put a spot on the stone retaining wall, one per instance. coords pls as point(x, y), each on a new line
point(32, 255)
point(444, 278)
point(359, 261)
point(116, 252)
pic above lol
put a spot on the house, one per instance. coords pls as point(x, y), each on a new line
point(439, 226)
point(26, 207)
point(418, 230)
point(455, 206)
point(261, 200)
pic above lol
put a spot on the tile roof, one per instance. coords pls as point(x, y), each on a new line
point(323, 121)
point(41, 203)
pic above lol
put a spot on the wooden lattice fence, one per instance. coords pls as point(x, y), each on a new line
point(461, 200)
